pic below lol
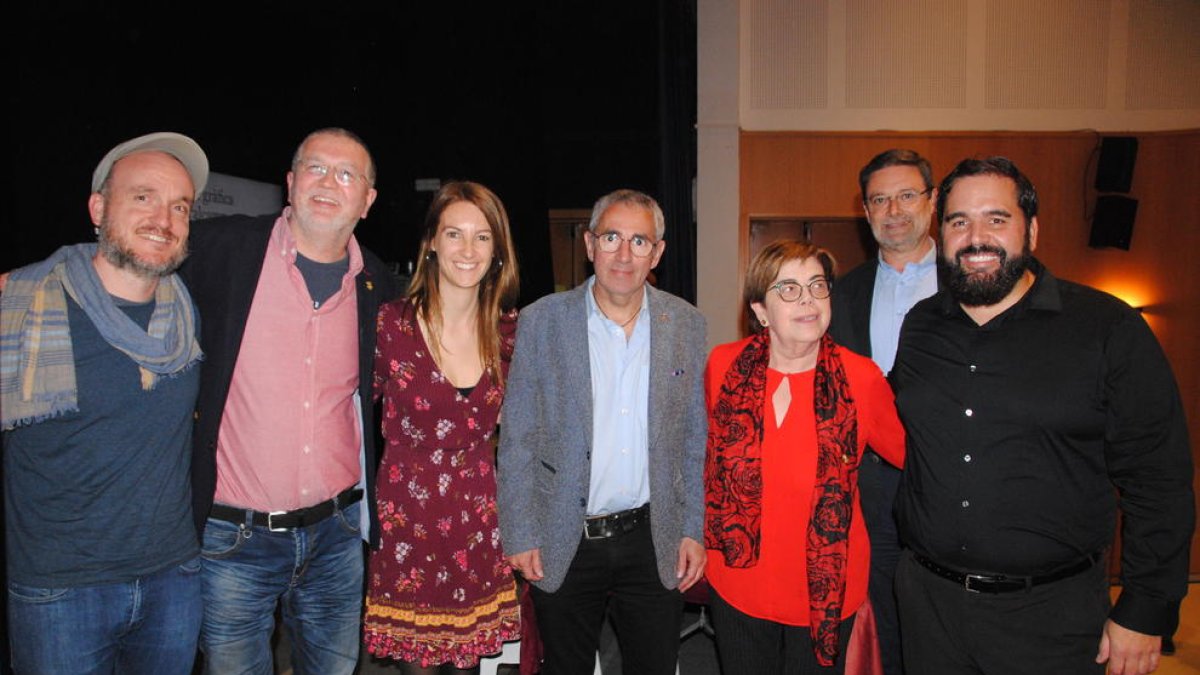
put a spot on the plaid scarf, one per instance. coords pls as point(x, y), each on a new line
point(733, 476)
point(37, 365)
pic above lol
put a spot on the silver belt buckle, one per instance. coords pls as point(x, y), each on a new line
point(967, 582)
point(587, 534)
point(270, 524)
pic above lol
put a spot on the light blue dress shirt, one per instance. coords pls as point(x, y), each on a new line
point(620, 372)
point(895, 294)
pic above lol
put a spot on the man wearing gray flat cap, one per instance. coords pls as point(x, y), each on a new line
point(98, 381)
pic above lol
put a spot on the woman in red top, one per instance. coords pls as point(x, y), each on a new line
point(790, 413)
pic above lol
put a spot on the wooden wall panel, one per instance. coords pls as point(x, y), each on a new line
point(815, 175)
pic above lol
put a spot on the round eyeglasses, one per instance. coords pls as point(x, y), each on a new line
point(903, 199)
point(790, 290)
point(610, 242)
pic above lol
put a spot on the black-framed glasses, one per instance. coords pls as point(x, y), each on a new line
point(904, 199)
point(790, 290)
point(343, 175)
point(610, 242)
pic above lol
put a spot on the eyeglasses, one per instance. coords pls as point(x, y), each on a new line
point(905, 199)
point(790, 290)
point(610, 242)
point(343, 176)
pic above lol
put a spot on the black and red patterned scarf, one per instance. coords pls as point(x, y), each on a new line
point(733, 476)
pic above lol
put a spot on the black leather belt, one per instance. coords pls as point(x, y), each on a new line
point(278, 521)
point(621, 522)
point(1004, 583)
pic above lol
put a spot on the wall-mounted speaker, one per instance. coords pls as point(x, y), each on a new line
point(1114, 170)
point(1112, 222)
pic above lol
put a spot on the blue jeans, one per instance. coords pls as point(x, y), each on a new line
point(314, 572)
point(148, 625)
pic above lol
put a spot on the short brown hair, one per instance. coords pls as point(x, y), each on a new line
point(895, 157)
point(766, 265)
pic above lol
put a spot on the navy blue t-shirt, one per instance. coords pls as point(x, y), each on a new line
point(103, 495)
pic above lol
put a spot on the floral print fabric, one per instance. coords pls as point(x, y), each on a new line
point(439, 589)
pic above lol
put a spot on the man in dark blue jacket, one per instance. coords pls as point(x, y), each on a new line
point(869, 305)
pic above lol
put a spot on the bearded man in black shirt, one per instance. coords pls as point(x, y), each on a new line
point(1027, 399)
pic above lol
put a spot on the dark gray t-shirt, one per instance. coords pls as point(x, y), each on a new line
point(322, 279)
point(103, 495)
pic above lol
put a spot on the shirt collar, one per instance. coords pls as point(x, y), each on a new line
point(927, 262)
point(1043, 295)
point(594, 308)
point(284, 242)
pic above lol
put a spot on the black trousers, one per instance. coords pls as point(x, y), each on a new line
point(750, 646)
point(619, 573)
point(878, 482)
point(1053, 629)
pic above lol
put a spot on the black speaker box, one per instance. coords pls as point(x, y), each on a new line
point(1112, 222)
point(1114, 171)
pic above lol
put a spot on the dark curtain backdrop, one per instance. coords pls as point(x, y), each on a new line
point(677, 144)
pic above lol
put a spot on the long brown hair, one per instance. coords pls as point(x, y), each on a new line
point(500, 284)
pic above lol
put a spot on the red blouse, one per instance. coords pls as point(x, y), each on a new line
point(776, 588)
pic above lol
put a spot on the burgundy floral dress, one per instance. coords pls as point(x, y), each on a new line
point(439, 589)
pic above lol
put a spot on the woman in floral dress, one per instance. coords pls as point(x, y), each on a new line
point(440, 592)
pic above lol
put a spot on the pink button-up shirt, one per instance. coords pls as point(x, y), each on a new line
point(290, 435)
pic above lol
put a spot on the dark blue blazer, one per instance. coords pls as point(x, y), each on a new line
point(850, 325)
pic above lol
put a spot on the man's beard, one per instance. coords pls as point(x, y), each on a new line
point(120, 255)
point(981, 290)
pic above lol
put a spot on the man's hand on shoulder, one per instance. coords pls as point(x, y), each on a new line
point(1128, 652)
point(690, 566)
point(528, 564)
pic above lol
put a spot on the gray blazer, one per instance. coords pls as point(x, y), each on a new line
point(546, 431)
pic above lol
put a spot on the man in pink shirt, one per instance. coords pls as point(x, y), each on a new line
point(288, 309)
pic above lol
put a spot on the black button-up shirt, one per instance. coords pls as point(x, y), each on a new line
point(1018, 431)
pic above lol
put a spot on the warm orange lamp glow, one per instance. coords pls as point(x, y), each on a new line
point(1135, 293)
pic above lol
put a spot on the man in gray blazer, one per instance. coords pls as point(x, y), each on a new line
point(602, 444)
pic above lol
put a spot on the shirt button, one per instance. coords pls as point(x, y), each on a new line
point(306, 405)
point(624, 411)
point(308, 360)
point(966, 458)
point(968, 412)
point(582, 502)
point(624, 451)
point(304, 491)
point(972, 367)
point(307, 449)
point(965, 503)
